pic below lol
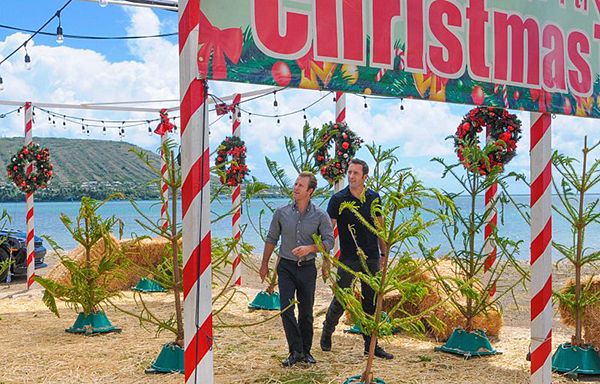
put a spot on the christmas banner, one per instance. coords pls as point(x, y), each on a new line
point(534, 55)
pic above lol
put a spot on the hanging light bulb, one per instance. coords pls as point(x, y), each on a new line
point(334, 99)
point(275, 104)
point(82, 128)
point(249, 119)
point(278, 120)
point(104, 130)
point(87, 131)
point(64, 122)
point(49, 119)
point(60, 38)
point(103, 3)
point(365, 97)
point(304, 114)
point(27, 62)
point(401, 105)
point(1, 84)
point(19, 112)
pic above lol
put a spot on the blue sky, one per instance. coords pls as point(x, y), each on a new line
point(100, 71)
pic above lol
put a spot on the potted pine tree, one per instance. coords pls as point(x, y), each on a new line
point(407, 217)
point(577, 356)
point(86, 289)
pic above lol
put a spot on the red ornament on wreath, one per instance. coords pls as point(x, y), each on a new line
point(237, 170)
point(504, 133)
point(347, 143)
point(41, 173)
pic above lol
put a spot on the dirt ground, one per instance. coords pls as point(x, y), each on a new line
point(35, 348)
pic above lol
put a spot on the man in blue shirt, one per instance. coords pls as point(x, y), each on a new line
point(372, 246)
point(296, 223)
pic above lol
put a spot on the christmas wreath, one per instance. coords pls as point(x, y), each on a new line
point(347, 144)
point(232, 146)
point(42, 168)
point(504, 132)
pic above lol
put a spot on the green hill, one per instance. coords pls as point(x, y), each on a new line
point(94, 168)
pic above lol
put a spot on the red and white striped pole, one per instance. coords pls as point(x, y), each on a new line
point(491, 221)
point(164, 188)
point(29, 199)
point(236, 202)
point(195, 199)
point(541, 248)
point(340, 117)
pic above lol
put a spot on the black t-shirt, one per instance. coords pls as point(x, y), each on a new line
point(367, 241)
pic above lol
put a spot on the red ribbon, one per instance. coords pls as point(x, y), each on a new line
point(165, 126)
point(221, 43)
point(543, 98)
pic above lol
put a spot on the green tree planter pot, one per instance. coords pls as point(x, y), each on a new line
point(468, 344)
point(582, 360)
point(356, 380)
point(92, 324)
point(169, 360)
point(357, 329)
point(266, 301)
point(148, 286)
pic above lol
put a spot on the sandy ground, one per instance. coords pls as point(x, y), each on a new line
point(35, 348)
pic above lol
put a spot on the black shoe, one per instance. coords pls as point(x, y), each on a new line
point(308, 358)
point(293, 359)
point(381, 353)
point(325, 342)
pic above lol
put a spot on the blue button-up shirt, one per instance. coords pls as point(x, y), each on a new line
point(296, 229)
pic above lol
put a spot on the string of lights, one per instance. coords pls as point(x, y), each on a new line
point(87, 37)
point(24, 44)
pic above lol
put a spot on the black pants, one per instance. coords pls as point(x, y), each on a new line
point(297, 282)
point(344, 280)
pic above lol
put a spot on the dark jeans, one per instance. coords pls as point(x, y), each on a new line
point(297, 282)
point(344, 280)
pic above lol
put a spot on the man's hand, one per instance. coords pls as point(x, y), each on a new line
point(302, 251)
point(263, 272)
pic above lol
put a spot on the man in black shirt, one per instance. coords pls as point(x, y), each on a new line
point(372, 246)
point(295, 224)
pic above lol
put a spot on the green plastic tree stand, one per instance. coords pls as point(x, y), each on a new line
point(169, 360)
point(266, 301)
point(92, 324)
point(357, 329)
point(572, 360)
point(468, 344)
point(148, 286)
point(356, 380)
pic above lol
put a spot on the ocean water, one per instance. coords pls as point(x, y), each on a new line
point(48, 223)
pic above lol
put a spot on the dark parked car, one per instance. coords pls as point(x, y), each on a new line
point(13, 244)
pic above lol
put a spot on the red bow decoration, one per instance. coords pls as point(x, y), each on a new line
point(221, 43)
point(165, 126)
point(543, 98)
point(223, 108)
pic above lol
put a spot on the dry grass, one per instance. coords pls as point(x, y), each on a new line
point(242, 356)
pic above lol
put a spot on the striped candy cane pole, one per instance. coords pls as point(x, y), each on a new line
point(195, 203)
point(164, 188)
point(340, 117)
point(541, 249)
point(505, 96)
point(29, 216)
point(490, 223)
point(398, 53)
point(236, 202)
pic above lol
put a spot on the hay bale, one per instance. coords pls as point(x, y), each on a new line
point(441, 320)
point(139, 258)
point(591, 315)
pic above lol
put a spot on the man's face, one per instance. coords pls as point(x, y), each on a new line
point(356, 178)
point(301, 190)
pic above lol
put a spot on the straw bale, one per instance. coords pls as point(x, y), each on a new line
point(591, 315)
point(140, 256)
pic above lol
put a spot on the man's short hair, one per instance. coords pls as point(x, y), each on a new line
point(312, 180)
point(365, 167)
